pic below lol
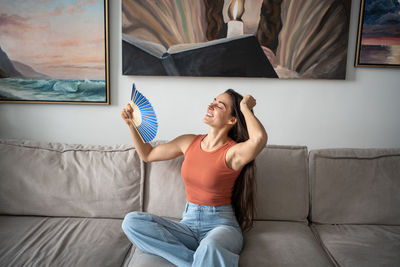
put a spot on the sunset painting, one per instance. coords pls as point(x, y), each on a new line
point(379, 34)
point(54, 51)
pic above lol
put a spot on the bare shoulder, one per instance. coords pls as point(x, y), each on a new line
point(184, 141)
point(171, 149)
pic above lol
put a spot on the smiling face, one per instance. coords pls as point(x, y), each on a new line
point(219, 112)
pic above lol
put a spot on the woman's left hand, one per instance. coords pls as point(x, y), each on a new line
point(248, 101)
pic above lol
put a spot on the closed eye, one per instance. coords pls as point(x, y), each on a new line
point(213, 103)
point(219, 102)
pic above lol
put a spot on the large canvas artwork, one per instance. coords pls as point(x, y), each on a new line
point(236, 38)
point(378, 43)
point(54, 51)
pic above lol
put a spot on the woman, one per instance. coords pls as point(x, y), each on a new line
point(218, 173)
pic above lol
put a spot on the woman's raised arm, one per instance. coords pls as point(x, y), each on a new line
point(242, 153)
point(146, 151)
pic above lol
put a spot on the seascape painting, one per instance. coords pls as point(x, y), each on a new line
point(54, 51)
point(236, 38)
point(378, 43)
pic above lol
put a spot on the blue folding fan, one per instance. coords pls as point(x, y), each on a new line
point(144, 118)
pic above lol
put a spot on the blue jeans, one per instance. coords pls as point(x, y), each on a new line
point(206, 236)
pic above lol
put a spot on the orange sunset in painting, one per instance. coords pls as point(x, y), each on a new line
point(56, 49)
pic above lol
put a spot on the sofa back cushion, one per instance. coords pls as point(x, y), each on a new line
point(50, 179)
point(164, 191)
point(282, 183)
point(355, 186)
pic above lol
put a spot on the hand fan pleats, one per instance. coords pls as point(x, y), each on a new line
point(144, 117)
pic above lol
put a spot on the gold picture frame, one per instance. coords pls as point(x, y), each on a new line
point(62, 56)
point(378, 39)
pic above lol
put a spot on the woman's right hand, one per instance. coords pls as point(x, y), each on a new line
point(127, 114)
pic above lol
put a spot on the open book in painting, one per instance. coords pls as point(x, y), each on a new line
point(239, 56)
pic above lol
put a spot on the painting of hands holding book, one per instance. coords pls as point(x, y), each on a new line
point(236, 38)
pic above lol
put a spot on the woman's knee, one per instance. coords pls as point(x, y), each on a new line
point(209, 244)
point(223, 238)
point(213, 252)
point(134, 220)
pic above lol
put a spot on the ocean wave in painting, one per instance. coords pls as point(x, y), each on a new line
point(53, 90)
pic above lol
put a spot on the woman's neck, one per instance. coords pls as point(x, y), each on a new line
point(214, 139)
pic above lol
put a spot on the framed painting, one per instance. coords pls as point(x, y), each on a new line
point(236, 38)
point(54, 52)
point(378, 41)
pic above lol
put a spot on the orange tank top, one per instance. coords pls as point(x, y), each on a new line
point(207, 178)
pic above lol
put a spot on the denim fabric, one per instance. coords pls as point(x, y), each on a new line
point(206, 236)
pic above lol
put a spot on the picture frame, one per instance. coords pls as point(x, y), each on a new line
point(55, 52)
point(378, 37)
point(235, 38)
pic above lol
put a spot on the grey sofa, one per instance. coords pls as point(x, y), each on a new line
point(62, 205)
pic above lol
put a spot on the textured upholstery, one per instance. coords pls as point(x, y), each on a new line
point(355, 186)
point(62, 205)
point(50, 179)
point(140, 259)
point(278, 243)
point(46, 241)
point(164, 191)
point(282, 183)
point(361, 245)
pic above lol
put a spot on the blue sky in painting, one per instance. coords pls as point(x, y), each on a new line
point(382, 18)
point(59, 38)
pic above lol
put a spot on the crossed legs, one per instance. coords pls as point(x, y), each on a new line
point(179, 244)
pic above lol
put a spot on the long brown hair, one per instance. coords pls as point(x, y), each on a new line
point(243, 191)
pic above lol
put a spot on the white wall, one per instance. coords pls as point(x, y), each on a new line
point(362, 111)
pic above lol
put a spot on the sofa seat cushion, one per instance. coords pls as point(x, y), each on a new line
point(282, 243)
point(361, 245)
point(141, 259)
point(46, 241)
point(269, 243)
